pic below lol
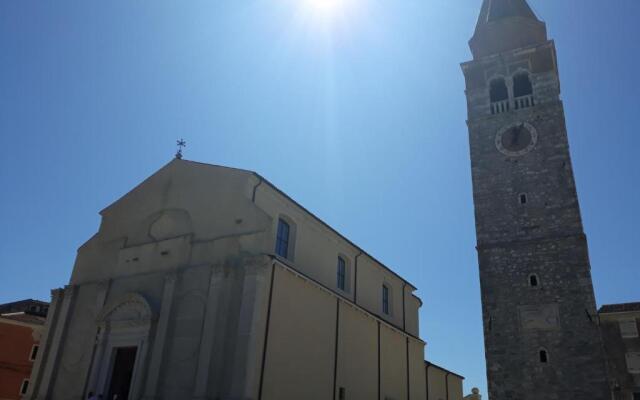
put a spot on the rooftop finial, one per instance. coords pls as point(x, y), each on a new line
point(180, 143)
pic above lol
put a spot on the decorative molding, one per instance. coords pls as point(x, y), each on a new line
point(131, 310)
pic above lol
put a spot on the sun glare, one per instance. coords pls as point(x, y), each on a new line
point(326, 10)
point(325, 6)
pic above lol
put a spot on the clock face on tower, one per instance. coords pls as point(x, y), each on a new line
point(516, 139)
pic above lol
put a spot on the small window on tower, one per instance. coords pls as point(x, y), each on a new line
point(533, 280)
point(544, 357)
point(523, 199)
point(342, 394)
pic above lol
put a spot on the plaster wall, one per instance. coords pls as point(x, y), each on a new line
point(393, 364)
point(357, 370)
point(16, 343)
point(437, 383)
point(301, 341)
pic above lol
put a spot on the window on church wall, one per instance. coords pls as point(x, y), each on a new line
point(283, 238)
point(534, 281)
point(342, 393)
point(342, 274)
point(386, 299)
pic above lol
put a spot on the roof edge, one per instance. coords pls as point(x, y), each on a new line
point(430, 364)
point(326, 225)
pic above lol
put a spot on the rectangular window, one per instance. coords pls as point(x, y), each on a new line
point(342, 394)
point(342, 273)
point(24, 387)
point(629, 328)
point(34, 352)
point(282, 240)
point(633, 363)
point(385, 299)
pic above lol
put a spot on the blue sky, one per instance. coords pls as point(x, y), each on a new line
point(359, 116)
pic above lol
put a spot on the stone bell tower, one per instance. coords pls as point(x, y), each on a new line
point(542, 340)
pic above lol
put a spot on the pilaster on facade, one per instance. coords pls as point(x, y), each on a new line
point(53, 353)
point(159, 342)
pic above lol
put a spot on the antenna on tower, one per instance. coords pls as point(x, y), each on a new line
point(180, 143)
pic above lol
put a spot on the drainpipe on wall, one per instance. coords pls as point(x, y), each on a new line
point(426, 373)
point(446, 383)
point(404, 308)
point(355, 278)
point(253, 197)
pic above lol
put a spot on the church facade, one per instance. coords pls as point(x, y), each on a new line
point(542, 339)
point(207, 282)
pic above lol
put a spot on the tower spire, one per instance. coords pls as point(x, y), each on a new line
point(505, 25)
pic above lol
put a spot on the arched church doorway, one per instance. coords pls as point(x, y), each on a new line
point(124, 360)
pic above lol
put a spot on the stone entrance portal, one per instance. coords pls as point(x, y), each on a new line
point(121, 348)
point(122, 373)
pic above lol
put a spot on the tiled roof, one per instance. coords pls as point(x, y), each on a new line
point(24, 318)
point(615, 308)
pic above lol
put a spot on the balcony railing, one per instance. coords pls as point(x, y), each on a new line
point(502, 106)
point(499, 107)
point(523, 102)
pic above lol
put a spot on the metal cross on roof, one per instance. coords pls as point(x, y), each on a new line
point(180, 143)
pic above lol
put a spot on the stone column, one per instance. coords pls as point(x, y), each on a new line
point(56, 343)
point(160, 337)
point(208, 333)
point(38, 366)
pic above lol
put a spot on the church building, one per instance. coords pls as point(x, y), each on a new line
point(207, 282)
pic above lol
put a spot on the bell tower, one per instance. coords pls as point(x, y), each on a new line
point(542, 340)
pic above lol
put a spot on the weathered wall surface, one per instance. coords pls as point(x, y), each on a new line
point(540, 236)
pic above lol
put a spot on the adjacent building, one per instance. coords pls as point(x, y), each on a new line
point(21, 325)
point(620, 324)
point(542, 339)
point(443, 384)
